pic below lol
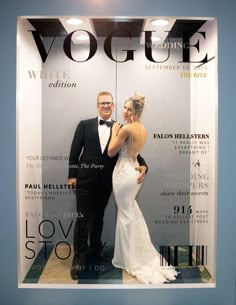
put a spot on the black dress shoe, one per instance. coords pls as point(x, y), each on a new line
point(103, 257)
point(78, 264)
point(97, 253)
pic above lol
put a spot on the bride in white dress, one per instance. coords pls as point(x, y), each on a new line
point(134, 250)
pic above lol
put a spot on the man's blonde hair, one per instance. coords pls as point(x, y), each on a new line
point(104, 93)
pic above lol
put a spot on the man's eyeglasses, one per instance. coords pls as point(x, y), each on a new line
point(105, 103)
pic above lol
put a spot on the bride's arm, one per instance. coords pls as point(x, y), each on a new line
point(118, 137)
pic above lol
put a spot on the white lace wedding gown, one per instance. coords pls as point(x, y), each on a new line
point(134, 251)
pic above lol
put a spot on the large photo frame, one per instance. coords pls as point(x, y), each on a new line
point(61, 68)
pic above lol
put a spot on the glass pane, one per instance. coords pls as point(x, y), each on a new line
point(61, 68)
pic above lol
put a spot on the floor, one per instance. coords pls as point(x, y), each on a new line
point(54, 268)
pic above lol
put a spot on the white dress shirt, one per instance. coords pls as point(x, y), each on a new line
point(104, 134)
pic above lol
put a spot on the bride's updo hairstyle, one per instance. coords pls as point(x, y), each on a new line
point(138, 102)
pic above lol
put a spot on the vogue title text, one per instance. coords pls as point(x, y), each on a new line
point(93, 45)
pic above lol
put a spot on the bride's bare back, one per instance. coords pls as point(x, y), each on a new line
point(137, 138)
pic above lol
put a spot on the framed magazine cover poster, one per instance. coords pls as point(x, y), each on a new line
point(62, 65)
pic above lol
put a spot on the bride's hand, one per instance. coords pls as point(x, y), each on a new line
point(142, 171)
point(115, 128)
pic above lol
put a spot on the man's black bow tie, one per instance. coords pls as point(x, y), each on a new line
point(108, 123)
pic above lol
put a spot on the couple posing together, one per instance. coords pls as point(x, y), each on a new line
point(105, 155)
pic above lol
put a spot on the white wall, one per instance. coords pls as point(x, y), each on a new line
point(204, 120)
point(29, 124)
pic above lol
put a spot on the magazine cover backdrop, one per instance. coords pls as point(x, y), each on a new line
point(57, 88)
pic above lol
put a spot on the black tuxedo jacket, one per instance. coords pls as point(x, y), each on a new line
point(86, 161)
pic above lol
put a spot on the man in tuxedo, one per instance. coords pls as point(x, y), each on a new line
point(90, 174)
